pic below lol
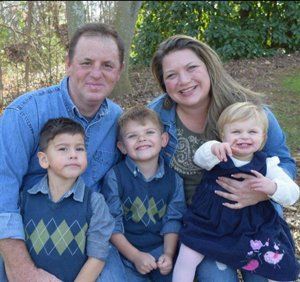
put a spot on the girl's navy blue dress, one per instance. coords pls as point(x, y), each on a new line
point(254, 238)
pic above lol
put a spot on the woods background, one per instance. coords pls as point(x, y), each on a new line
point(34, 34)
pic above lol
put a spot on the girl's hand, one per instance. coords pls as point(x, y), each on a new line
point(221, 150)
point(240, 192)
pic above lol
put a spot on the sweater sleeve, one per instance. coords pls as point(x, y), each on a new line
point(204, 157)
point(172, 220)
point(287, 192)
point(100, 228)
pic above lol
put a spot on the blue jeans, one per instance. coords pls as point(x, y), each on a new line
point(3, 277)
point(133, 275)
point(212, 271)
point(113, 270)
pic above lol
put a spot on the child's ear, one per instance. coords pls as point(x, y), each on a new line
point(43, 160)
point(164, 139)
point(121, 147)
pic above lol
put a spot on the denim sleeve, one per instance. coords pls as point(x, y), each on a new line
point(172, 220)
point(100, 228)
point(276, 146)
point(110, 192)
point(16, 146)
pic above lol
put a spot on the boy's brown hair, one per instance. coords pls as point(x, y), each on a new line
point(140, 114)
point(56, 126)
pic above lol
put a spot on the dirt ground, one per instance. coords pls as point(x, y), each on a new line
point(261, 74)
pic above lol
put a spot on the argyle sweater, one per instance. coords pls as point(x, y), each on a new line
point(56, 233)
point(144, 206)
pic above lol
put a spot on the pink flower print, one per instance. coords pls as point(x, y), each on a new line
point(256, 244)
point(272, 258)
point(251, 265)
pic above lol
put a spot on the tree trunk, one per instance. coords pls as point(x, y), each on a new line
point(126, 15)
point(75, 14)
point(28, 38)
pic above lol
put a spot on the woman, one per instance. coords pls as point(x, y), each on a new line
point(197, 89)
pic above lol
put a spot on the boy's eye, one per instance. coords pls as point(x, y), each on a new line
point(150, 132)
point(63, 149)
point(80, 149)
point(130, 136)
point(235, 131)
point(253, 131)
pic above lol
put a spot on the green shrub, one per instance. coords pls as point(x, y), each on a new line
point(235, 29)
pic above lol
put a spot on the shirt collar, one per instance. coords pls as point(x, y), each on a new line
point(132, 166)
point(72, 108)
point(76, 191)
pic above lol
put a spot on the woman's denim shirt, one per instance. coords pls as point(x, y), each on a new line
point(275, 145)
point(20, 126)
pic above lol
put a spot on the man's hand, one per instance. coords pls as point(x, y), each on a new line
point(18, 264)
point(29, 274)
point(144, 263)
point(240, 192)
point(165, 264)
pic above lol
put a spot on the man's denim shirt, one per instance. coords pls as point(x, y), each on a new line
point(20, 126)
point(176, 208)
point(101, 223)
point(275, 145)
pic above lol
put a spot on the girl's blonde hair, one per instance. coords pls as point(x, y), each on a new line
point(243, 111)
point(224, 89)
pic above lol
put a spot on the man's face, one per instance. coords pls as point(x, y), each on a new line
point(93, 72)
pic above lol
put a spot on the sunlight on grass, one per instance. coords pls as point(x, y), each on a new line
point(286, 106)
point(292, 83)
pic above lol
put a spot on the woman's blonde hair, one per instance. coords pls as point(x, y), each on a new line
point(243, 111)
point(224, 89)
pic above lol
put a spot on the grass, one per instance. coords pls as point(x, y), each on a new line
point(286, 107)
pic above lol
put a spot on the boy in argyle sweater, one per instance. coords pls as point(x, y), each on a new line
point(146, 198)
point(67, 226)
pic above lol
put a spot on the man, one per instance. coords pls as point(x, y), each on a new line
point(94, 65)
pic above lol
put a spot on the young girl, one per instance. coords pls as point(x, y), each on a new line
point(254, 238)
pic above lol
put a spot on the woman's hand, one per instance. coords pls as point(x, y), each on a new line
point(240, 192)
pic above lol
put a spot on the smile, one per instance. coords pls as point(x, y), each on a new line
point(187, 90)
point(243, 145)
point(143, 147)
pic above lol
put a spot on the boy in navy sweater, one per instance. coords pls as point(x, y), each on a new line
point(146, 198)
point(67, 226)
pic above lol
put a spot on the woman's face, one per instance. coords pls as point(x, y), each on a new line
point(186, 78)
